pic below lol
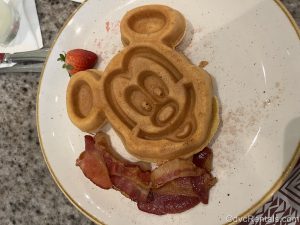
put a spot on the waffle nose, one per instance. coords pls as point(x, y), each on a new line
point(166, 113)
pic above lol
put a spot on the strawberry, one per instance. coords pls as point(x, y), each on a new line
point(78, 60)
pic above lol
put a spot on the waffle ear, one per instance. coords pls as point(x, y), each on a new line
point(152, 23)
point(84, 105)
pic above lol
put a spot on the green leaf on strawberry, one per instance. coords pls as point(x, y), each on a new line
point(62, 57)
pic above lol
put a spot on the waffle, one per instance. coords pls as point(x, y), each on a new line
point(161, 105)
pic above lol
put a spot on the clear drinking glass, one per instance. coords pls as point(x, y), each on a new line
point(9, 23)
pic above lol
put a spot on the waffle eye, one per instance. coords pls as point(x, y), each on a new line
point(139, 101)
point(154, 85)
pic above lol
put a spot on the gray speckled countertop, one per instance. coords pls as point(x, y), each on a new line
point(27, 192)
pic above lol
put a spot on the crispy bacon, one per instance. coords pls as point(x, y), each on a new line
point(102, 141)
point(172, 170)
point(106, 171)
point(130, 189)
point(179, 186)
point(118, 166)
point(178, 195)
point(173, 187)
point(130, 180)
point(203, 159)
point(92, 164)
point(164, 204)
point(131, 172)
point(202, 185)
point(187, 186)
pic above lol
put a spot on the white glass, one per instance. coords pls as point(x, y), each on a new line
point(9, 23)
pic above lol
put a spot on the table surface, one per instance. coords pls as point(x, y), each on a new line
point(27, 192)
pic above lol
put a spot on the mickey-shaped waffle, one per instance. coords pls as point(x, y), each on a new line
point(160, 104)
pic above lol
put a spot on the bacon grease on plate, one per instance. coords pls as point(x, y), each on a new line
point(173, 187)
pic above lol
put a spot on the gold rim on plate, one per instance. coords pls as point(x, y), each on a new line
point(246, 213)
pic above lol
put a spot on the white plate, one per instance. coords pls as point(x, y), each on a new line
point(253, 53)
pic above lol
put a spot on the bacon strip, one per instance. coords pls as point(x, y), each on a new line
point(164, 204)
point(92, 164)
point(174, 187)
point(203, 159)
point(102, 141)
point(178, 195)
point(183, 192)
point(202, 185)
point(130, 180)
point(172, 170)
point(179, 186)
point(130, 189)
point(131, 172)
point(106, 171)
